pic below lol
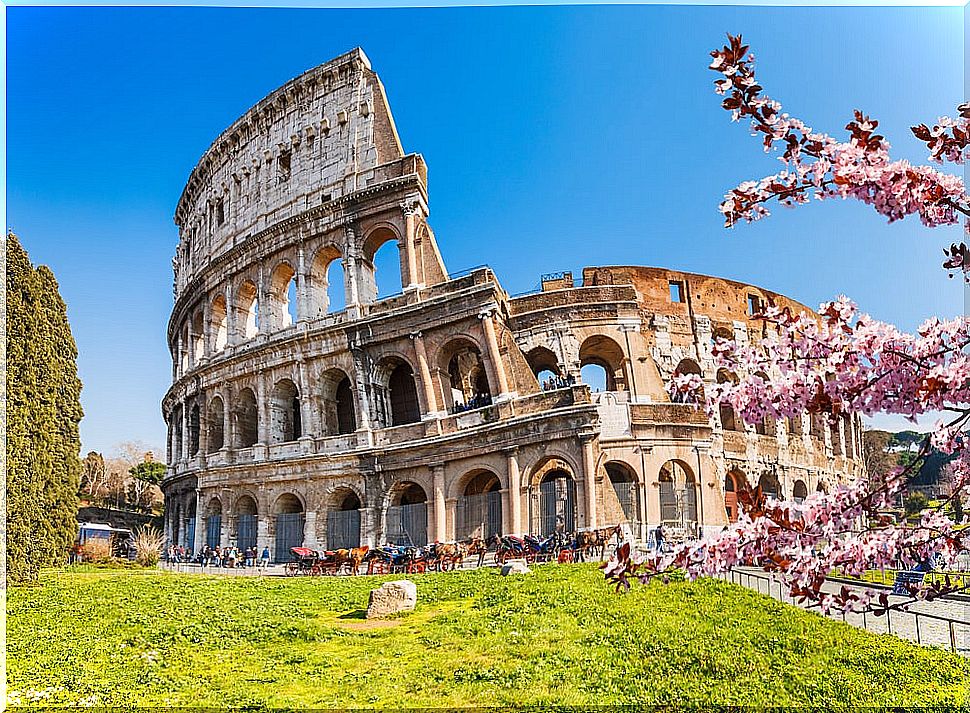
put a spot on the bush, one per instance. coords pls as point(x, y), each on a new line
point(148, 546)
point(96, 550)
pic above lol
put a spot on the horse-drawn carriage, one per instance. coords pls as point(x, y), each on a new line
point(318, 562)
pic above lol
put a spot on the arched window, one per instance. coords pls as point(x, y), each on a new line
point(198, 338)
point(218, 324)
point(800, 491)
point(175, 418)
point(729, 421)
point(216, 425)
point(247, 304)
point(545, 366)
point(382, 266)
point(767, 425)
point(285, 412)
point(733, 483)
point(684, 367)
point(282, 294)
point(344, 402)
point(325, 283)
point(770, 486)
point(403, 396)
point(467, 379)
point(601, 364)
point(247, 419)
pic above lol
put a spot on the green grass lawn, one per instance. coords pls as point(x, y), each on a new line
point(559, 635)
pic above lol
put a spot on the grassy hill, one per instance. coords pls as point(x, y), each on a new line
point(559, 635)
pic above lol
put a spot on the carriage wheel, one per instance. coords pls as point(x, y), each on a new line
point(530, 557)
point(291, 569)
point(565, 556)
point(500, 557)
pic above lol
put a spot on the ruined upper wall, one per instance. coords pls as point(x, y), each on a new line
point(305, 144)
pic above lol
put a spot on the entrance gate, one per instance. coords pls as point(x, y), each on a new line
point(557, 505)
point(479, 515)
point(343, 529)
point(408, 524)
point(289, 533)
point(246, 531)
point(213, 530)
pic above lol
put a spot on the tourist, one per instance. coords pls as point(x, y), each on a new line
point(659, 537)
point(264, 560)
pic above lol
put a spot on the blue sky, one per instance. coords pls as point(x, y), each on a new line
point(556, 137)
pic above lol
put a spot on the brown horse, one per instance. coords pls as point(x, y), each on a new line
point(603, 537)
point(450, 555)
point(349, 558)
point(476, 546)
point(585, 541)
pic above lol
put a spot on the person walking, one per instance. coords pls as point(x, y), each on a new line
point(264, 560)
point(658, 536)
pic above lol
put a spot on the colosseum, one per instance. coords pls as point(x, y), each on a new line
point(305, 409)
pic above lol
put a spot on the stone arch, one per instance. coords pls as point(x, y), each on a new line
point(376, 238)
point(467, 385)
point(766, 426)
point(407, 516)
point(319, 281)
point(195, 427)
point(799, 491)
point(729, 419)
point(284, 411)
point(396, 393)
point(343, 508)
point(213, 522)
point(600, 357)
point(289, 518)
point(770, 485)
point(676, 485)
point(247, 310)
point(555, 503)
point(280, 312)
point(215, 424)
point(246, 415)
point(175, 419)
point(478, 504)
point(684, 367)
point(246, 514)
point(339, 402)
point(544, 364)
point(625, 484)
point(219, 323)
point(734, 482)
point(198, 337)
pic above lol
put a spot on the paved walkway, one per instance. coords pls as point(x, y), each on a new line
point(944, 623)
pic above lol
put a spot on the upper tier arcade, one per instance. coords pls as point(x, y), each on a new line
point(320, 137)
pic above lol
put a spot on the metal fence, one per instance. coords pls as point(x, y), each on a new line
point(343, 529)
point(407, 524)
point(939, 629)
point(557, 506)
point(289, 533)
point(479, 515)
point(246, 531)
point(213, 530)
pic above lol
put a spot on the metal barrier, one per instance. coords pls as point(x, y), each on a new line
point(924, 628)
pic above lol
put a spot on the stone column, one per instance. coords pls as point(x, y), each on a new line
point(494, 355)
point(409, 207)
point(262, 534)
point(307, 426)
point(199, 539)
point(310, 530)
point(515, 491)
point(589, 481)
point(302, 311)
point(440, 513)
point(262, 311)
point(424, 374)
point(262, 430)
point(228, 431)
point(185, 430)
point(231, 337)
point(360, 385)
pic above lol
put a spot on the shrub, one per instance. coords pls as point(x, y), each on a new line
point(96, 550)
point(148, 545)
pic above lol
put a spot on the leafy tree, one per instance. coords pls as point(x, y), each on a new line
point(915, 502)
point(150, 471)
point(43, 412)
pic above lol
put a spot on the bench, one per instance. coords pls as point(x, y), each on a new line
point(906, 578)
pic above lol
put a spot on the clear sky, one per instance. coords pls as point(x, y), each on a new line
point(556, 137)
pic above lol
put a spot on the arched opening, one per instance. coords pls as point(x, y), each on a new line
point(479, 511)
point(795, 428)
point(213, 523)
point(185, 350)
point(247, 304)
point(285, 421)
point(246, 522)
point(345, 416)
point(215, 435)
point(766, 426)
point(194, 427)
point(601, 364)
point(191, 517)
point(396, 395)
point(198, 338)
point(407, 517)
point(468, 382)
point(545, 366)
point(733, 483)
point(678, 494)
point(557, 502)
point(282, 296)
point(770, 486)
point(382, 267)
point(219, 323)
point(729, 422)
point(684, 368)
point(817, 428)
point(835, 437)
point(624, 483)
point(175, 418)
point(325, 283)
point(290, 520)
point(247, 419)
point(343, 520)
point(799, 491)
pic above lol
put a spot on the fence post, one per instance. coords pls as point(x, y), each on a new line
point(953, 638)
point(916, 616)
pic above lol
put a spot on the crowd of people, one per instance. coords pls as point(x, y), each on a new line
point(229, 557)
point(476, 401)
point(558, 382)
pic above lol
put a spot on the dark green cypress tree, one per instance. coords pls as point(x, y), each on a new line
point(43, 411)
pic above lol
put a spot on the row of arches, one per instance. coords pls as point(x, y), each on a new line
point(254, 304)
point(735, 480)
